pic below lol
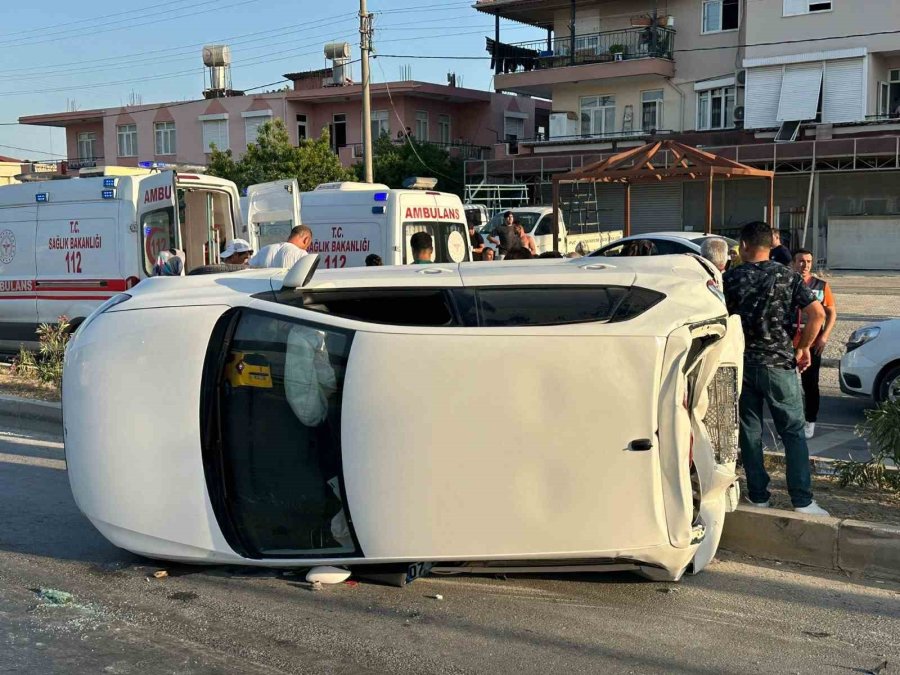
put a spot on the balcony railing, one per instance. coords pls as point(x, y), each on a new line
point(619, 45)
point(458, 150)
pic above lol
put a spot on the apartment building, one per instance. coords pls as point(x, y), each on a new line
point(467, 122)
point(808, 88)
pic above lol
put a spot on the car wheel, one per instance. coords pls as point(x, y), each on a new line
point(889, 388)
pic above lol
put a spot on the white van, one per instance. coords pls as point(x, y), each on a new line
point(67, 246)
point(538, 222)
point(350, 221)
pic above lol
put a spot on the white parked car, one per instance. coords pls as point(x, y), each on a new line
point(871, 365)
point(665, 243)
point(538, 222)
point(325, 417)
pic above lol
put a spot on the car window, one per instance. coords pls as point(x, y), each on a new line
point(545, 226)
point(274, 461)
point(398, 307)
point(477, 307)
point(668, 247)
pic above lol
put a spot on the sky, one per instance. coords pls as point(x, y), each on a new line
point(59, 53)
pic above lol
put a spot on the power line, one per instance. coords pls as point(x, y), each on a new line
point(234, 39)
point(216, 8)
point(142, 10)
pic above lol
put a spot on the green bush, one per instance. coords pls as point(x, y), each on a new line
point(882, 429)
point(47, 365)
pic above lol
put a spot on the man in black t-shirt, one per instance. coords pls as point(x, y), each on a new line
point(476, 241)
point(767, 296)
point(779, 252)
point(503, 236)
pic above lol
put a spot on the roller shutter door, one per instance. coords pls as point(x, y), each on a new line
point(656, 208)
point(844, 97)
point(610, 206)
point(762, 97)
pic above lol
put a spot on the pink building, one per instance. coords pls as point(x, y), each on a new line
point(468, 122)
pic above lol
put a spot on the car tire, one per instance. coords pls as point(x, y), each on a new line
point(887, 382)
point(216, 269)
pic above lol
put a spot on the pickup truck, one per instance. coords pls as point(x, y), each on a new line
point(538, 222)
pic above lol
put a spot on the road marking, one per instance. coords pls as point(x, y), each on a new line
point(33, 461)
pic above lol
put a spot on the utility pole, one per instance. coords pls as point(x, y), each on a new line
point(365, 48)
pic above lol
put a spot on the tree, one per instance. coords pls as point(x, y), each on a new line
point(393, 163)
point(273, 157)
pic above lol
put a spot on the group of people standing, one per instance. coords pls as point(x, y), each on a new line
point(787, 315)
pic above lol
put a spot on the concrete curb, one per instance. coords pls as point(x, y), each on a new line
point(45, 411)
point(837, 544)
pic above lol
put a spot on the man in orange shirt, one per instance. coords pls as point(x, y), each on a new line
point(803, 264)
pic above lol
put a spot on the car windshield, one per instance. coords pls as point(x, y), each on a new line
point(528, 220)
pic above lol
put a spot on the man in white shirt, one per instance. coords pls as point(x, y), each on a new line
point(286, 253)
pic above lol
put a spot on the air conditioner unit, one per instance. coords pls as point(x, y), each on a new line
point(739, 114)
point(740, 77)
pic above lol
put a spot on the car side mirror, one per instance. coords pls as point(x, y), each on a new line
point(302, 271)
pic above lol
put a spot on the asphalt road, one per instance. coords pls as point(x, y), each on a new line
point(736, 617)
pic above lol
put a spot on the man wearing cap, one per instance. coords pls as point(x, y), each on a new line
point(237, 252)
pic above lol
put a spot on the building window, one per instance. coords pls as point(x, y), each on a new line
point(165, 138)
point(127, 140)
point(381, 124)
point(338, 131)
point(215, 132)
point(87, 146)
point(720, 15)
point(598, 115)
point(444, 128)
point(715, 108)
point(798, 7)
point(252, 123)
point(422, 125)
point(514, 126)
point(651, 110)
point(301, 128)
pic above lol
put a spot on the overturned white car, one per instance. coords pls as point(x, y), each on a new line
point(337, 416)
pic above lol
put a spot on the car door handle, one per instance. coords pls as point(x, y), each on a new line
point(641, 444)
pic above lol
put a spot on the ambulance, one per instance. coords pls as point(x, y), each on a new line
point(351, 221)
point(66, 246)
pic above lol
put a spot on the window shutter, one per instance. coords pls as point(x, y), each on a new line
point(215, 131)
point(795, 7)
point(844, 98)
point(799, 100)
point(762, 97)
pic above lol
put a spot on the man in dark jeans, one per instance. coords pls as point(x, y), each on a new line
point(767, 295)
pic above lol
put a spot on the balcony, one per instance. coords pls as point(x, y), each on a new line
point(456, 150)
point(533, 68)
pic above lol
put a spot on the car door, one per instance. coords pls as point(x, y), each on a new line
point(273, 209)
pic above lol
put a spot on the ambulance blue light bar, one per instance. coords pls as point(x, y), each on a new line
point(108, 194)
point(42, 197)
point(153, 165)
point(381, 196)
point(109, 182)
